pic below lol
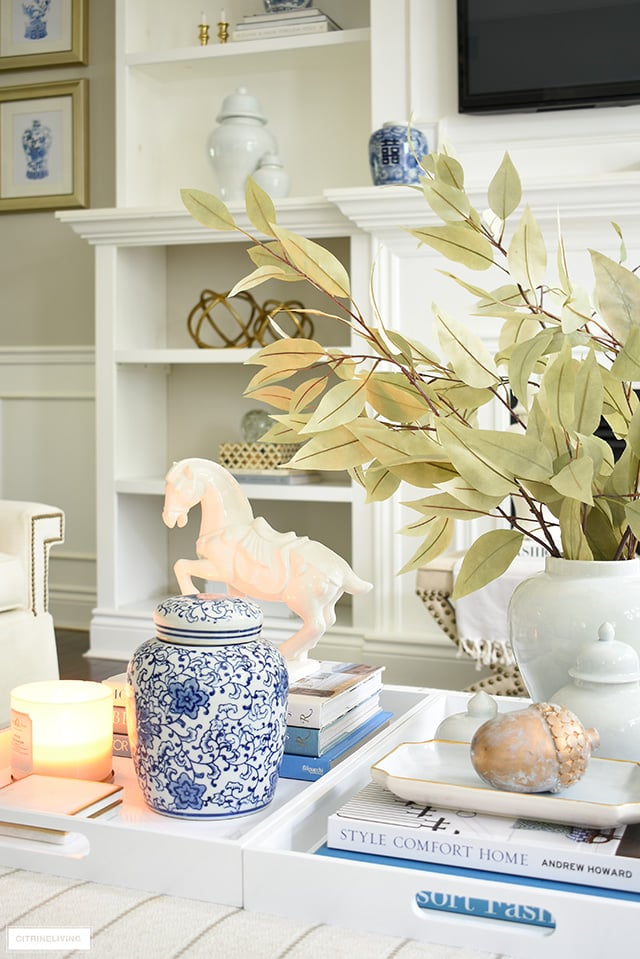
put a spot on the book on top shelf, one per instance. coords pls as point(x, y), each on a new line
point(321, 697)
point(314, 767)
point(305, 741)
point(280, 15)
point(319, 23)
point(376, 822)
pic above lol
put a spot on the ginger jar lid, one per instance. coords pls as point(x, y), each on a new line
point(241, 103)
point(207, 619)
point(607, 660)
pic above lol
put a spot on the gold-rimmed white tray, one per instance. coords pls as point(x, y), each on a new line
point(440, 772)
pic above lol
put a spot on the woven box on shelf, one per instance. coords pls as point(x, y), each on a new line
point(255, 456)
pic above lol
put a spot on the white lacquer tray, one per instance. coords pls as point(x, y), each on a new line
point(142, 850)
point(285, 875)
point(440, 772)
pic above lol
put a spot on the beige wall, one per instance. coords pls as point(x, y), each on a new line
point(46, 272)
point(47, 407)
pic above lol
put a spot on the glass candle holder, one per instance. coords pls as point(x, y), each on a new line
point(62, 728)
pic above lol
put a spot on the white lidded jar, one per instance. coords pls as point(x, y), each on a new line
point(272, 177)
point(238, 143)
point(604, 692)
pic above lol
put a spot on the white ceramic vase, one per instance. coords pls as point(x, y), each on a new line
point(238, 143)
point(553, 614)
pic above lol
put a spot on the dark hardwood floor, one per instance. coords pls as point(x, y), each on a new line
point(72, 645)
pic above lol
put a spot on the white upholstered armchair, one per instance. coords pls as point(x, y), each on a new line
point(27, 638)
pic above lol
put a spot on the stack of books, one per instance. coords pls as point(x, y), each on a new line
point(121, 744)
point(375, 825)
point(262, 26)
point(331, 712)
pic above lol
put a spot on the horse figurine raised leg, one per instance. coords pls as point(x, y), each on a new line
point(252, 558)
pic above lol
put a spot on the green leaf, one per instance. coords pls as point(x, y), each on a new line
point(315, 262)
point(588, 397)
point(557, 389)
point(619, 403)
point(208, 210)
point(576, 311)
point(259, 276)
point(336, 449)
point(460, 445)
point(468, 496)
point(470, 358)
point(424, 474)
point(505, 190)
point(522, 362)
point(602, 540)
point(563, 272)
point(394, 447)
point(575, 480)
point(277, 396)
point(292, 353)
point(444, 504)
point(458, 242)
point(447, 169)
point(448, 202)
point(379, 483)
point(340, 405)
point(574, 541)
point(307, 393)
point(632, 516)
point(480, 455)
point(436, 542)
point(260, 208)
point(489, 557)
point(392, 396)
point(617, 295)
point(626, 365)
point(527, 255)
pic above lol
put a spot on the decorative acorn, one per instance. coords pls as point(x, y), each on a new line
point(543, 748)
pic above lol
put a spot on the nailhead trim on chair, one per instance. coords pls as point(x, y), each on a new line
point(46, 544)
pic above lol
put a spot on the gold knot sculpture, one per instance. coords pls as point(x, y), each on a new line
point(243, 322)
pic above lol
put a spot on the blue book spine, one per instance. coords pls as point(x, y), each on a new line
point(313, 767)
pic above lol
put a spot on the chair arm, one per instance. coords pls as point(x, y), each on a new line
point(28, 530)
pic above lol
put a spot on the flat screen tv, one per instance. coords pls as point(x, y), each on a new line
point(518, 55)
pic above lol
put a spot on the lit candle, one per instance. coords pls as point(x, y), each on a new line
point(203, 19)
point(62, 728)
point(223, 16)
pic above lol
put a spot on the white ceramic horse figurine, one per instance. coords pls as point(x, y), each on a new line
point(253, 559)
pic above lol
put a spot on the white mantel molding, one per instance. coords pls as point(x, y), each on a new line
point(311, 216)
point(583, 203)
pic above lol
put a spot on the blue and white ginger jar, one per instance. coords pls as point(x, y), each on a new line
point(208, 712)
point(395, 152)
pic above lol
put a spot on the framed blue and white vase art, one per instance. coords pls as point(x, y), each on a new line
point(42, 33)
point(43, 146)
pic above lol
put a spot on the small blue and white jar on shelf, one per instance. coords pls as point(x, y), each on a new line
point(395, 151)
point(207, 710)
point(285, 6)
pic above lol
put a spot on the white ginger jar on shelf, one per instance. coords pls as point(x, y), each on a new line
point(272, 177)
point(238, 143)
point(208, 714)
point(604, 692)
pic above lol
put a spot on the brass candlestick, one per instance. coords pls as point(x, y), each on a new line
point(203, 34)
point(223, 31)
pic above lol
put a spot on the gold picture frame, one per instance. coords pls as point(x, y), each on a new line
point(42, 33)
point(43, 146)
